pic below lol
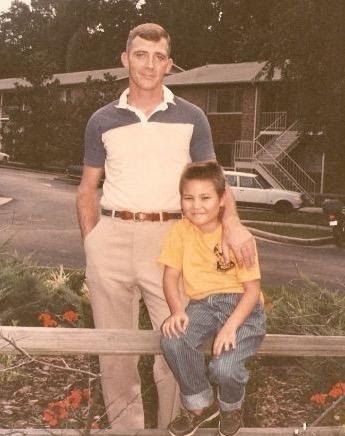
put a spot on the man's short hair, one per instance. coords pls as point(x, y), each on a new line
point(209, 170)
point(150, 32)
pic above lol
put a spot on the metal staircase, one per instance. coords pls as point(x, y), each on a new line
point(269, 155)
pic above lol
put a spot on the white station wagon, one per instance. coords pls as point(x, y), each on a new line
point(4, 157)
point(252, 190)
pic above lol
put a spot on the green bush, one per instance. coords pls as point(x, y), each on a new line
point(27, 291)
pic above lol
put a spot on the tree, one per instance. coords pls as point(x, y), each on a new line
point(49, 129)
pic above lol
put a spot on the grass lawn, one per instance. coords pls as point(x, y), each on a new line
point(268, 217)
point(295, 232)
point(293, 217)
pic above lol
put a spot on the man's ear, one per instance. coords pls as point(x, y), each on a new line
point(169, 66)
point(124, 59)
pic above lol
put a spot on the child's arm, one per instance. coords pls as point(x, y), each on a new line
point(178, 320)
point(226, 337)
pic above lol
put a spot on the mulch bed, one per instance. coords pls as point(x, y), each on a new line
point(278, 394)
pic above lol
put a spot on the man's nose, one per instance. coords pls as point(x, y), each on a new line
point(150, 61)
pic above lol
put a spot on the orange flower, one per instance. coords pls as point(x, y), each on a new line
point(74, 399)
point(55, 412)
point(50, 417)
point(47, 320)
point(60, 408)
point(318, 398)
point(70, 315)
point(337, 390)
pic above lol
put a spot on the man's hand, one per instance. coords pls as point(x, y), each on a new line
point(237, 238)
point(175, 324)
point(225, 339)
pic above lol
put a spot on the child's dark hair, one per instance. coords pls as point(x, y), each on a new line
point(209, 170)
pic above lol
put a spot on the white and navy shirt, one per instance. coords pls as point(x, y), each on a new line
point(143, 156)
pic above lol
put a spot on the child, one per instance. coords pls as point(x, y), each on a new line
point(225, 301)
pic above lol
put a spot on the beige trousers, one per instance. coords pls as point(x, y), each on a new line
point(121, 267)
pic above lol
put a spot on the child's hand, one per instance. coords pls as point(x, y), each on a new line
point(175, 324)
point(226, 338)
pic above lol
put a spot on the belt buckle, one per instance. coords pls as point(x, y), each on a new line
point(139, 216)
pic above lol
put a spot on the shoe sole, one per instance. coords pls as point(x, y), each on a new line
point(223, 434)
point(201, 423)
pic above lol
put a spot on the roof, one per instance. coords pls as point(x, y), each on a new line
point(221, 73)
point(244, 72)
point(76, 77)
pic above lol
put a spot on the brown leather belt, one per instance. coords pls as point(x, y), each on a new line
point(142, 216)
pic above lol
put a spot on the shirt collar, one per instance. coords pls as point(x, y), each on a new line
point(168, 97)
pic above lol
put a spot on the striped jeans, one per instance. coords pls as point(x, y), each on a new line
point(228, 371)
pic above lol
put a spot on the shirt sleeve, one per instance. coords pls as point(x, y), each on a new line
point(172, 250)
point(94, 152)
point(201, 146)
point(247, 274)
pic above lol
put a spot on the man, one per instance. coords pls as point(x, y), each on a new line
point(142, 142)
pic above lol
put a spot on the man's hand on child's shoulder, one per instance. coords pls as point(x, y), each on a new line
point(175, 324)
point(241, 242)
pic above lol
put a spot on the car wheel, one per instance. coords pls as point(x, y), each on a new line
point(283, 206)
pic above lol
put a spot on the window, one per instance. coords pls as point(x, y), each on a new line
point(232, 180)
point(225, 100)
point(249, 182)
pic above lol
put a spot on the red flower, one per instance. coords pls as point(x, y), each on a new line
point(318, 398)
point(70, 315)
point(47, 319)
point(337, 390)
point(55, 412)
point(74, 399)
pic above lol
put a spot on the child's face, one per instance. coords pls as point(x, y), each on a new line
point(201, 204)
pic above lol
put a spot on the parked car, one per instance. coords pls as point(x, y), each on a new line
point(252, 190)
point(4, 157)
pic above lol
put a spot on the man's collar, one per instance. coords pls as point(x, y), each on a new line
point(168, 97)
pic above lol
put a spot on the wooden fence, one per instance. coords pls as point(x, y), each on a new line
point(46, 341)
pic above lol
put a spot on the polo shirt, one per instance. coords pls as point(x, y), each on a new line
point(143, 157)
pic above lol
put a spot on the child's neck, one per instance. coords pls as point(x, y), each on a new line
point(208, 228)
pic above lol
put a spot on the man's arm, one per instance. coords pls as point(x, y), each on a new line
point(87, 199)
point(235, 234)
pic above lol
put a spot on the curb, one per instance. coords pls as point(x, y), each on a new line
point(290, 240)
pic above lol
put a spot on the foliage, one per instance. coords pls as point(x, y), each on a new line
point(50, 128)
point(310, 310)
point(33, 297)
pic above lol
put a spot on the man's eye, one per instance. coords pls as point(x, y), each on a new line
point(161, 57)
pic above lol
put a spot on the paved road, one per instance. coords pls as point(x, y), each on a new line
point(41, 222)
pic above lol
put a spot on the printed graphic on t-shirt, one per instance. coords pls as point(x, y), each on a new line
point(222, 265)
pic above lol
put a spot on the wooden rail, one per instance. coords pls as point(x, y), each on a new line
point(50, 341)
point(63, 341)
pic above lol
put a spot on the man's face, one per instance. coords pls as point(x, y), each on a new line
point(147, 62)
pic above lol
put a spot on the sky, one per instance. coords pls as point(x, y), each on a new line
point(5, 4)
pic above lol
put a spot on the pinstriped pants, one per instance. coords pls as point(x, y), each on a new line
point(228, 371)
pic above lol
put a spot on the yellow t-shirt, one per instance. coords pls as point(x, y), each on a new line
point(197, 256)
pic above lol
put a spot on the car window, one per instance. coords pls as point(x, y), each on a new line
point(249, 182)
point(232, 180)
